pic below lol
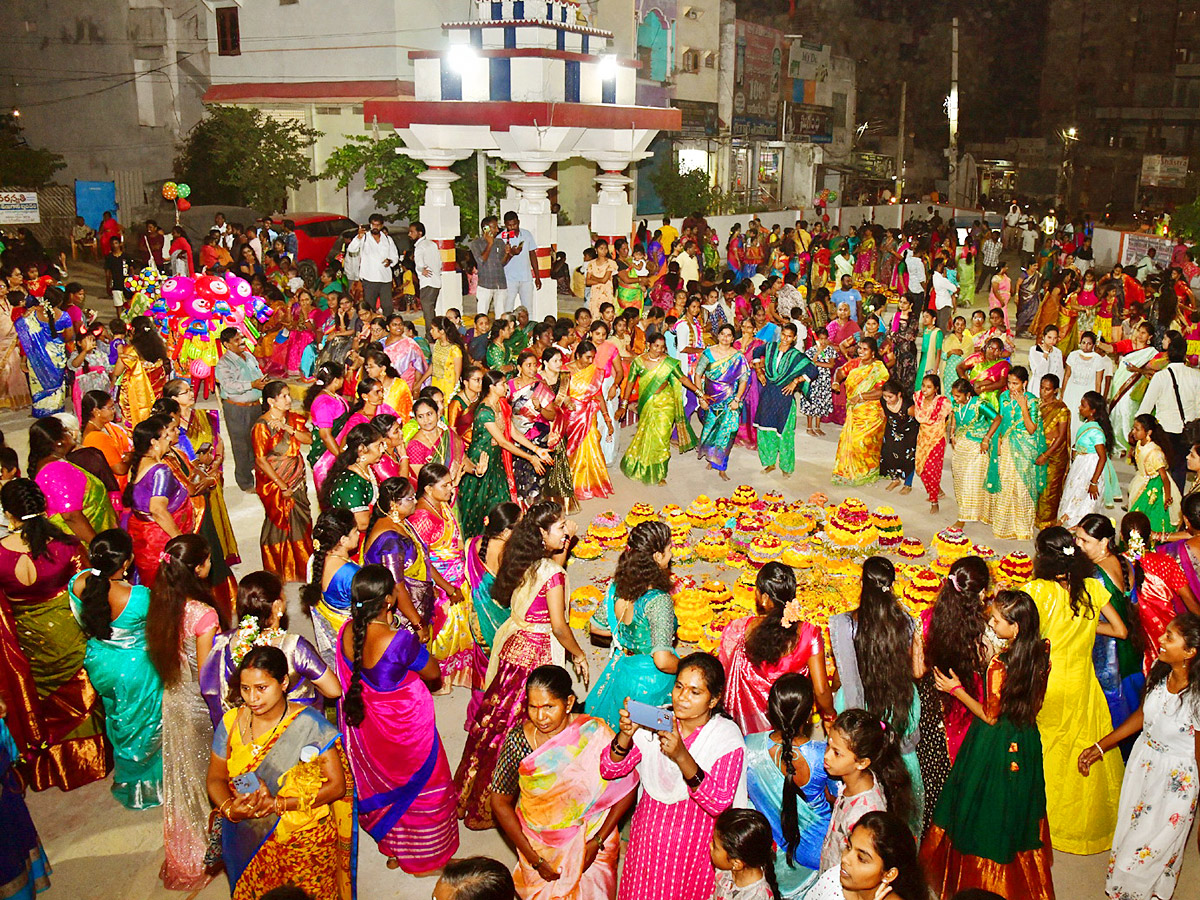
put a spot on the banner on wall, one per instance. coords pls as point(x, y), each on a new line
point(1164, 171)
point(758, 64)
point(808, 67)
point(19, 208)
point(1135, 244)
point(810, 123)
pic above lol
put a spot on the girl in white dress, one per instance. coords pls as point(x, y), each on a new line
point(1086, 370)
point(1158, 796)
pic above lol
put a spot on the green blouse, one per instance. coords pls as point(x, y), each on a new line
point(353, 492)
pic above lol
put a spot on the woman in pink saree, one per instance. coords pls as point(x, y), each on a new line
point(550, 801)
point(401, 774)
point(748, 343)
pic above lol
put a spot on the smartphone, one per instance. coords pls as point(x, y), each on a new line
point(246, 783)
point(651, 717)
point(206, 447)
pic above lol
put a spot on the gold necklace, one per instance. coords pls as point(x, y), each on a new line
point(256, 750)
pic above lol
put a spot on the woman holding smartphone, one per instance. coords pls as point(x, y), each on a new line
point(689, 776)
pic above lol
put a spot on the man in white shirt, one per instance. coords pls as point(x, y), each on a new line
point(1045, 359)
point(1147, 265)
point(376, 255)
point(1011, 219)
point(1029, 243)
point(428, 260)
point(915, 266)
point(943, 295)
point(520, 265)
point(689, 266)
point(1173, 396)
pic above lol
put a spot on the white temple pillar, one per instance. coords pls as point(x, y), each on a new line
point(534, 211)
point(612, 213)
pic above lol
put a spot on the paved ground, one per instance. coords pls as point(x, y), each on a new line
point(101, 850)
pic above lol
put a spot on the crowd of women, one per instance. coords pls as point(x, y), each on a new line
point(955, 750)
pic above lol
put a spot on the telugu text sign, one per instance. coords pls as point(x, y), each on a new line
point(19, 208)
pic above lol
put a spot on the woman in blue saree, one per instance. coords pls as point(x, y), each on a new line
point(280, 781)
point(42, 332)
point(782, 369)
point(112, 613)
point(786, 748)
point(723, 373)
point(24, 869)
point(326, 598)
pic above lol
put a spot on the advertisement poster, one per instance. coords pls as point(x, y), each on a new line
point(19, 208)
point(758, 66)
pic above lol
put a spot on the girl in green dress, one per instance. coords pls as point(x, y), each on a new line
point(351, 484)
point(929, 351)
point(989, 828)
point(659, 381)
point(640, 615)
point(499, 354)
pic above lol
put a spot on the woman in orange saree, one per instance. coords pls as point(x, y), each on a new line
point(585, 403)
point(861, 440)
point(277, 441)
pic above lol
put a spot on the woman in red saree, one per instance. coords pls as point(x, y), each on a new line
point(158, 504)
point(278, 440)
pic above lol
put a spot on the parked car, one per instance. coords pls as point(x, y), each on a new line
point(316, 233)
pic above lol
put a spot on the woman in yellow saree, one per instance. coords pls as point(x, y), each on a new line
point(585, 403)
point(861, 440)
point(659, 381)
point(279, 779)
point(142, 370)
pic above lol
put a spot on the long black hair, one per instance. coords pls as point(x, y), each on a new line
point(789, 710)
point(1188, 626)
point(370, 593)
point(883, 646)
point(769, 640)
point(145, 433)
point(145, 339)
point(359, 436)
point(1158, 435)
point(1099, 407)
point(331, 526)
point(525, 548)
point(327, 373)
point(957, 622)
point(1027, 659)
point(502, 517)
point(869, 737)
point(175, 584)
point(1056, 558)
point(746, 836)
point(637, 571)
point(44, 435)
point(22, 499)
point(108, 554)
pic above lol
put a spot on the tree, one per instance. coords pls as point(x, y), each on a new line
point(242, 157)
point(392, 178)
point(22, 166)
point(683, 193)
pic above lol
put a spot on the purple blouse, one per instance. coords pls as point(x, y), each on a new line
point(404, 654)
point(159, 481)
point(305, 666)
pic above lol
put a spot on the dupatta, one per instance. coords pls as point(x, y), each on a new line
point(36, 346)
point(523, 599)
point(1024, 447)
point(660, 776)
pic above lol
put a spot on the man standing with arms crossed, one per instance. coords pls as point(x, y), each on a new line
point(241, 382)
point(490, 256)
point(428, 260)
point(376, 256)
point(521, 271)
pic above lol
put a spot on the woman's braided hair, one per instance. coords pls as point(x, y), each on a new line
point(332, 525)
point(370, 593)
point(789, 710)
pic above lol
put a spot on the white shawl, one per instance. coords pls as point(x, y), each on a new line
point(660, 776)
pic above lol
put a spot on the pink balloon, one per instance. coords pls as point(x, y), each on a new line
point(239, 288)
point(200, 369)
point(177, 289)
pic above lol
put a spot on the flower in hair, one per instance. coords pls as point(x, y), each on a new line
point(1068, 551)
point(28, 516)
point(792, 613)
point(1135, 548)
point(95, 572)
point(250, 635)
point(164, 556)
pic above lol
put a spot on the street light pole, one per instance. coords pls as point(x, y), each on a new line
point(952, 113)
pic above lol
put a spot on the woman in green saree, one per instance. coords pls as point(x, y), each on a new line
point(1013, 443)
point(659, 381)
point(781, 370)
point(112, 614)
point(987, 371)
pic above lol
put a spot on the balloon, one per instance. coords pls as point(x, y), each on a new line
point(825, 218)
point(212, 288)
point(200, 369)
point(183, 191)
point(177, 289)
point(170, 190)
point(239, 288)
point(832, 196)
point(261, 309)
point(183, 205)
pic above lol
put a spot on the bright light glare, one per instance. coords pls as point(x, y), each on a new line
point(460, 57)
point(691, 158)
point(608, 66)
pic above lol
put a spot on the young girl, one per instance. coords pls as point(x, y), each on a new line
point(862, 752)
point(880, 861)
point(989, 830)
point(897, 458)
point(1151, 490)
point(818, 403)
point(1091, 482)
point(1158, 796)
point(931, 410)
point(743, 854)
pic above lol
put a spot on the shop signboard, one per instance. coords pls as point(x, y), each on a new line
point(808, 67)
point(810, 123)
point(875, 165)
point(699, 118)
point(1164, 171)
point(19, 208)
point(758, 71)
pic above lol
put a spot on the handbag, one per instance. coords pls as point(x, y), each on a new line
point(1191, 430)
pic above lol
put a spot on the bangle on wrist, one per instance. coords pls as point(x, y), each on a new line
point(956, 688)
point(1099, 749)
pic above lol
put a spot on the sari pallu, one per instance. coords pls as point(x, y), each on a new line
point(314, 849)
point(221, 575)
point(980, 370)
point(332, 611)
point(205, 427)
point(486, 614)
point(138, 386)
point(722, 380)
point(861, 440)
point(449, 451)
point(775, 417)
point(149, 539)
point(747, 436)
point(1053, 414)
point(1118, 662)
point(406, 557)
point(286, 535)
point(931, 442)
point(1014, 479)
point(24, 868)
point(479, 494)
point(1125, 409)
point(1076, 500)
point(562, 804)
point(589, 474)
point(452, 644)
point(660, 412)
point(14, 389)
point(47, 360)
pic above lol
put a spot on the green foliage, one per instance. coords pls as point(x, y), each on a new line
point(242, 157)
point(1185, 222)
point(392, 178)
point(22, 166)
point(683, 193)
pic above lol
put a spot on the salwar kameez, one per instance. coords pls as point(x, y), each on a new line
point(660, 413)
point(286, 536)
point(1014, 479)
point(722, 381)
point(861, 440)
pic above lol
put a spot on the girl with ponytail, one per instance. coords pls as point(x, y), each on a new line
point(863, 753)
point(758, 649)
point(387, 717)
point(989, 829)
point(326, 597)
point(50, 697)
point(786, 781)
point(1074, 610)
point(112, 613)
point(392, 543)
point(1091, 482)
point(743, 856)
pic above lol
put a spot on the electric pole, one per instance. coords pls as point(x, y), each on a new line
point(952, 112)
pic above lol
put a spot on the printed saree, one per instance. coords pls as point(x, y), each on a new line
point(286, 535)
point(861, 440)
point(722, 380)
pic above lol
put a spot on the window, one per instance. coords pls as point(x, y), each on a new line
point(328, 110)
point(691, 61)
point(710, 60)
point(229, 37)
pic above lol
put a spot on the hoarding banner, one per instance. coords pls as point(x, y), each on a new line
point(699, 118)
point(810, 123)
point(19, 208)
point(1135, 244)
point(808, 67)
point(1164, 171)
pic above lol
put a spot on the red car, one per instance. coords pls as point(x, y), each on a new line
point(316, 233)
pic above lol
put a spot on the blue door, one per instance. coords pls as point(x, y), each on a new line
point(93, 199)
